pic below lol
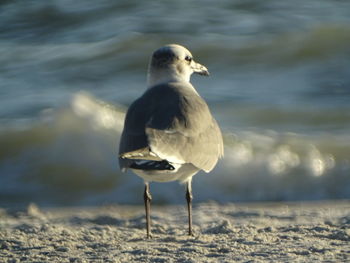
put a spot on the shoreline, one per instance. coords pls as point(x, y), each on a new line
point(244, 232)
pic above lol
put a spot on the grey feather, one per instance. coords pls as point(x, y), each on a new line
point(173, 121)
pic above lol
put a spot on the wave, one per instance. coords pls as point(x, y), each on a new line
point(70, 149)
point(321, 42)
point(70, 157)
point(318, 43)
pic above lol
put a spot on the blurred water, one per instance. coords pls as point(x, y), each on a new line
point(279, 87)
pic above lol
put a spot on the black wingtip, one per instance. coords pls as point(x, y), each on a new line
point(151, 165)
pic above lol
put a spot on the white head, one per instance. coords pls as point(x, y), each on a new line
point(173, 63)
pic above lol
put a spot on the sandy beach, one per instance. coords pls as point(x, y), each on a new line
point(262, 232)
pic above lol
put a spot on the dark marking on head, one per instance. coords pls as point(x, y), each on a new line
point(163, 57)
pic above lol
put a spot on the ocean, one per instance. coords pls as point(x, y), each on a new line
point(279, 88)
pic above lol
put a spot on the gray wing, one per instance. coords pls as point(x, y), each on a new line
point(175, 123)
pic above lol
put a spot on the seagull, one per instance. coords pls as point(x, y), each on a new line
point(169, 132)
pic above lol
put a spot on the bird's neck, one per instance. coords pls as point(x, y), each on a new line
point(159, 76)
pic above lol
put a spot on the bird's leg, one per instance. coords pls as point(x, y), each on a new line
point(189, 198)
point(147, 198)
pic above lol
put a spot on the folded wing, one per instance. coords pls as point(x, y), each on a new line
point(171, 122)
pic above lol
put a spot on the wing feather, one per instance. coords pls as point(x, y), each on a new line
point(176, 124)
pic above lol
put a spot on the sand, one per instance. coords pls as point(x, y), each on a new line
point(263, 232)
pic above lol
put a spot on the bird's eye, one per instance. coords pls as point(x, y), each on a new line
point(188, 58)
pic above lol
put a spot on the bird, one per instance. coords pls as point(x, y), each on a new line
point(169, 132)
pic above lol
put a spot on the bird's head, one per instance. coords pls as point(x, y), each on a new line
point(173, 63)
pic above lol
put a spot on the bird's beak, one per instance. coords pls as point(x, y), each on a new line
point(199, 69)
